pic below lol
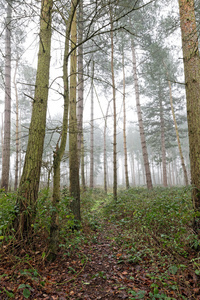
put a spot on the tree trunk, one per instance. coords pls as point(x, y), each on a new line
point(140, 120)
point(133, 169)
point(83, 164)
point(169, 174)
point(159, 175)
point(29, 184)
point(92, 130)
point(177, 134)
point(191, 61)
point(7, 112)
point(176, 172)
point(2, 130)
point(80, 93)
point(73, 151)
point(124, 125)
point(178, 138)
point(58, 153)
point(105, 151)
point(114, 112)
point(138, 169)
point(162, 130)
point(153, 173)
point(17, 130)
point(108, 178)
point(20, 147)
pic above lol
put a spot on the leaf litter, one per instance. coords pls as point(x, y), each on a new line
point(106, 265)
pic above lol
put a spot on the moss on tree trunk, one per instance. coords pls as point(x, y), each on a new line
point(73, 150)
point(29, 184)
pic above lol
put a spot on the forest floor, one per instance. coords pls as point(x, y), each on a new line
point(103, 261)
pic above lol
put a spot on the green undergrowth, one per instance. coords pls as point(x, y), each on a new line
point(149, 229)
point(153, 229)
point(153, 226)
point(70, 239)
point(7, 213)
point(161, 217)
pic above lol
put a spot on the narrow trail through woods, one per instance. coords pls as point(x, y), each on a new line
point(123, 250)
point(93, 272)
point(103, 276)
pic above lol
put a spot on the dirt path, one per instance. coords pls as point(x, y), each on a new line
point(100, 275)
point(95, 271)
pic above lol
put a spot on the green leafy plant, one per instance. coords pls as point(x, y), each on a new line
point(137, 295)
point(26, 290)
point(9, 294)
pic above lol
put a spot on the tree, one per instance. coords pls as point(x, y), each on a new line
point(177, 132)
point(159, 123)
point(124, 123)
point(61, 143)
point(162, 129)
point(105, 150)
point(80, 93)
point(140, 120)
point(114, 108)
point(7, 112)
point(29, 184)
point(73, 151)
point(191, 61)
point(17, 129)
point(92, 128)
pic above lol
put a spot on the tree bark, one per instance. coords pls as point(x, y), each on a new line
point(73, 151)
point(59, 151)
point(124, 125)
point(133, 169)
point(29, 184)
point(80, 94)
point(163, 149)
point(92, 130)
point(114, 112)
point(17, 130)
point(105, 151)
point(7, 112)
point(83, 164)
point(140, 121)
point(20, 146)
point(2, 131)
point(191, 61)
